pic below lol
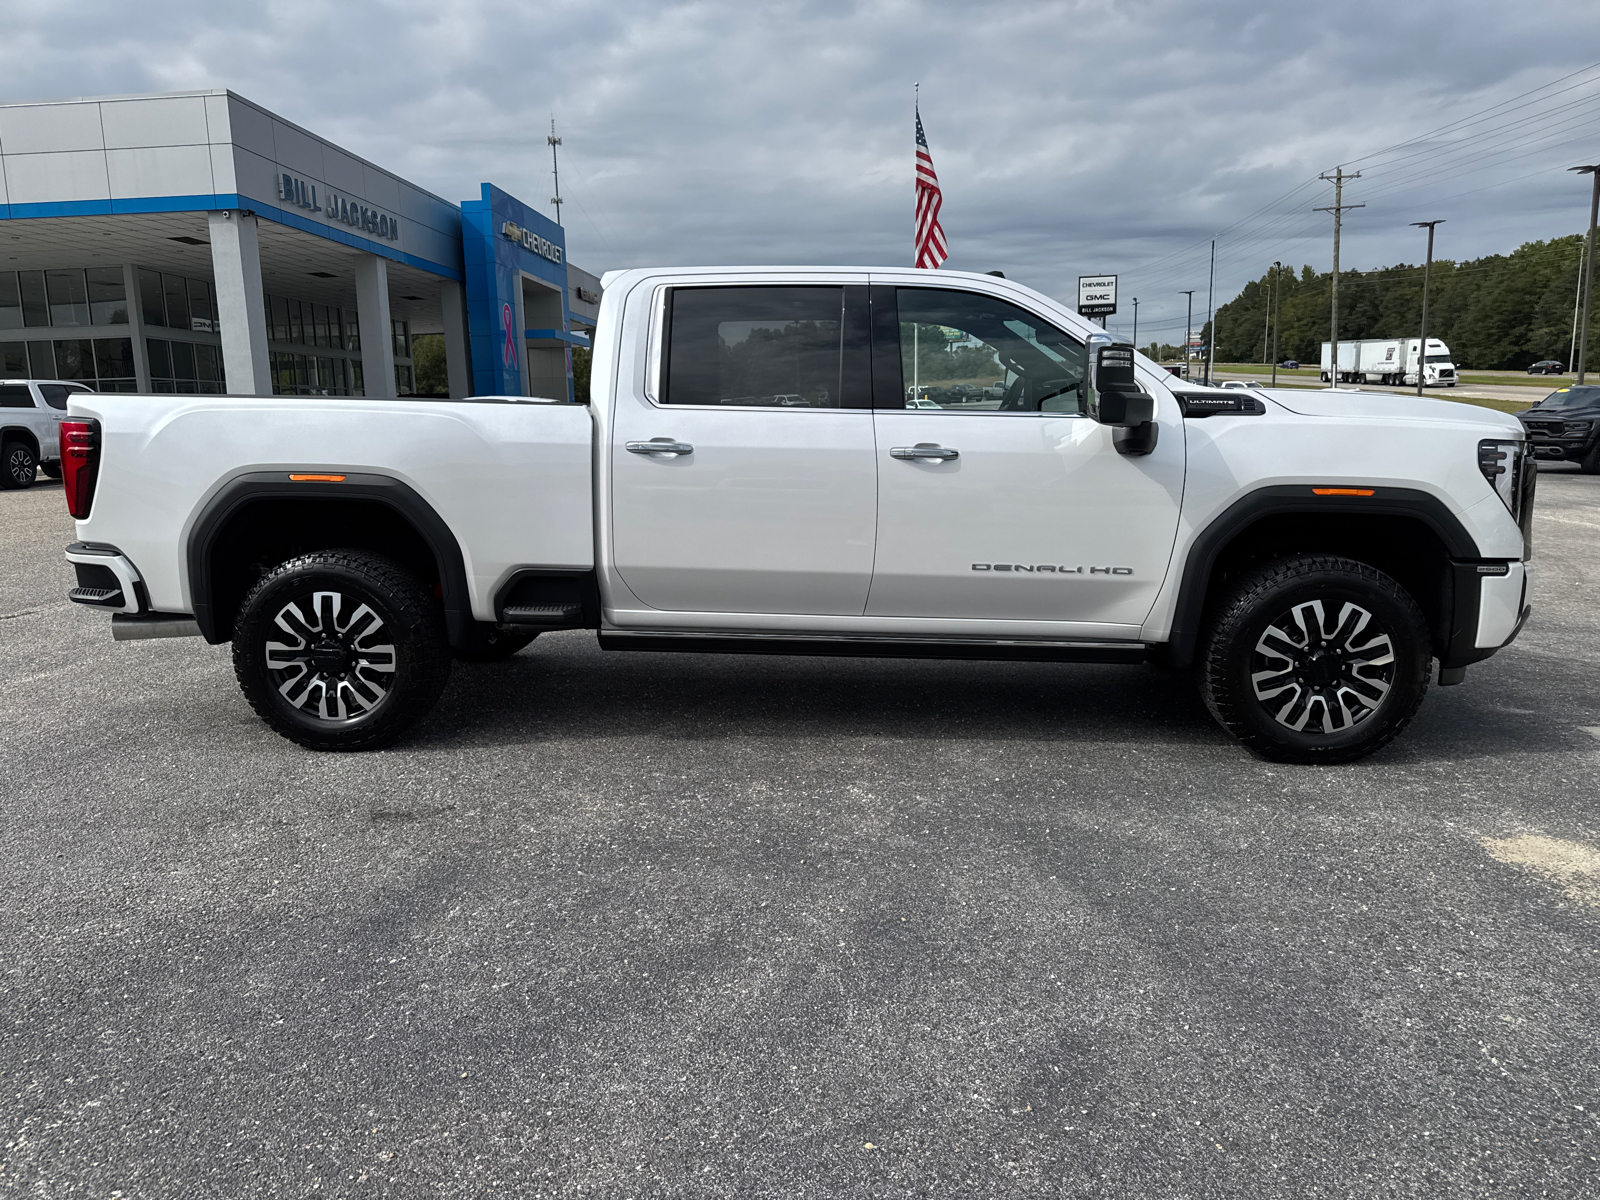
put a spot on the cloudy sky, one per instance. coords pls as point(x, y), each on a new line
point(1077, 137)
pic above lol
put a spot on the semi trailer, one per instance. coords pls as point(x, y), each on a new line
point(1391, 361)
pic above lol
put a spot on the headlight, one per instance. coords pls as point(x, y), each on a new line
point(1502, 464)
point(1577, 426)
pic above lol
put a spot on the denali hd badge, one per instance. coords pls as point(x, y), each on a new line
point(1051, 569)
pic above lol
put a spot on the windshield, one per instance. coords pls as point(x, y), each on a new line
point(1577, 397)
point(1438, 358)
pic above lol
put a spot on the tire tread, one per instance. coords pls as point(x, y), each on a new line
point(1244, 600)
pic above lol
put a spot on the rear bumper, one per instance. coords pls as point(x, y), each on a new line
point(107, 580)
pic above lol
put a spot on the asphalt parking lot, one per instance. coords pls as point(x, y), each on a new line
point(641, 925)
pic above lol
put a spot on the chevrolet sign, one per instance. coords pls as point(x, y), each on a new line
point(529, 240)
point(1097, 295)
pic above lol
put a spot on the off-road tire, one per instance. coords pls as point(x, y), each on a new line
point(319, 671)
point(492, 643)
point(19, 466)
point(52, 469)
point(1257, 683)
point(1589, 464)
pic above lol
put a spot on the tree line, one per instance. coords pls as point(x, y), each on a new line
point(1502, 312)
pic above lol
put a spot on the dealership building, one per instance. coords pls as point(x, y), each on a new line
point(195, 242)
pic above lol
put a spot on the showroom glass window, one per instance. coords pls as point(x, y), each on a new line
point(767, 347)
point(968, 352)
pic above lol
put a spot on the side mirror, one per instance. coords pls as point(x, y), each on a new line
point(1115, 398)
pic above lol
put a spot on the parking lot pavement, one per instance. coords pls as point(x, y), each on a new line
point(666, 925)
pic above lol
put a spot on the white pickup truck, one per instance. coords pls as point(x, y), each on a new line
point(29, 412)
point(748, 475)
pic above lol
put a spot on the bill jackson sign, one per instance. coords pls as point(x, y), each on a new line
point(296, 191)
point(530, 240)
point(1097, 295)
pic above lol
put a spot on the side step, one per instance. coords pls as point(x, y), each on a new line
point(869, 647)
point(110, 597)
point(542, 614)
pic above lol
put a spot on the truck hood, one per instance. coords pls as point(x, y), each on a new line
point(1388, 406)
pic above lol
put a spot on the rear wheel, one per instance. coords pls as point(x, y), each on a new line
point(18, 464)
point(1315, 659)
point(341, 650)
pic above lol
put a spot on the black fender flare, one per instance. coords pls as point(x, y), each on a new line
point(11, 433)
point(1281, 499)
point(276, 485)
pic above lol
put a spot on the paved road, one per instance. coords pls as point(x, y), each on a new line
point(634, 925)
point(1523, 397)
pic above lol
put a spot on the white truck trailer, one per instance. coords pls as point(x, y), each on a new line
point(1392, 361)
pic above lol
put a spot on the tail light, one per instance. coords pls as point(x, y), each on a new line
point(80, 464)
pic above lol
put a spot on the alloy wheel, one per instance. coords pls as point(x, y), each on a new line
point(336, 660)
point(1319, 672)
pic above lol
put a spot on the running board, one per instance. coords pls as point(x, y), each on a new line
point(864, 646)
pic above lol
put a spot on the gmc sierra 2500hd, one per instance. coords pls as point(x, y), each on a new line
point(753, 472)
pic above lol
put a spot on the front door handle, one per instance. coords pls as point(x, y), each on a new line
point(659, 446)
point(923, 450)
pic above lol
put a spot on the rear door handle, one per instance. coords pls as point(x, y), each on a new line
point(923, 450)
point(659, 446)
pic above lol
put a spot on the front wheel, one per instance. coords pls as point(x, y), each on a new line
point(1589, 464)
point(1315, 659)
point(341, 650)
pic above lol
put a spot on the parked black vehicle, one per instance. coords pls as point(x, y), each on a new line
point(1565, 426)
point(1547, 366)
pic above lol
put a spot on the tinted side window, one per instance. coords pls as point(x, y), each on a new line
point(55, 395)
point(771, 347)
point(15, 396)
point(973, 353)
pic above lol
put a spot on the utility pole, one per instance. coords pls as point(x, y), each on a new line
point(1188, 324)
point(1588, 270)
point(1277, 309)
point(555, 168)
point(1337, 209)
point(1136, 322)
point(1211, 295)
point(1427, 275)
point(1266, 323)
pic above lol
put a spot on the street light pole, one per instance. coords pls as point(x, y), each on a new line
point(1427, 274)
point(1277, 309)
point(1188, 325)
point(1588, 270)
point(1136, 322)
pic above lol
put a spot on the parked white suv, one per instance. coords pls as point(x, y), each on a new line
point(30, 410)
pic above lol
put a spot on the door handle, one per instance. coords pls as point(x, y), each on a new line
point(923, 450)
point(659, 446)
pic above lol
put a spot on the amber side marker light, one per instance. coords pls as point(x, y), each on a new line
point(340, 479)
point(1324, 491)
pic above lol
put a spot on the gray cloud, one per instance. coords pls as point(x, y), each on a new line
point(1069, 137)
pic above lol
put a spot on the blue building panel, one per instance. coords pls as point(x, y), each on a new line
point(501, 240)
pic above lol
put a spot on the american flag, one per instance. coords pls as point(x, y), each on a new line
point(930, 245)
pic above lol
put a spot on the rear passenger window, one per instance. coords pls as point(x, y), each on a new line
point(55, 395)
point(13, 396)
point(766, 347)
